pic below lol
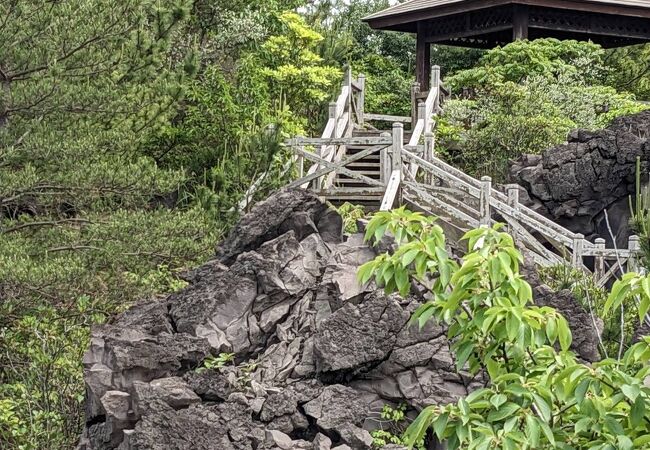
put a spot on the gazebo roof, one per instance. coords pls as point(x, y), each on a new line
point(485, 23)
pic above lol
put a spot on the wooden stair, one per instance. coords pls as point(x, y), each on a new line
point(356, 191)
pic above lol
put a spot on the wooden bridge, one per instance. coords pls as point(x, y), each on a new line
point(355, 162)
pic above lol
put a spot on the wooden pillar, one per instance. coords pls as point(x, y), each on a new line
point(519, 22)
point(634, 246)
point(599, 260)
point(415, 91)
point(301, 160)
point(423, 57)
point(429, 154)
point(486, 194)
point(384, 165)
point(513, 201)
point(398, 142)
point(576, 257)
point(361, 100)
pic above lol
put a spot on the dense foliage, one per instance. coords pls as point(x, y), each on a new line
point(526, 97)
point(536, 393)
point(131, 129)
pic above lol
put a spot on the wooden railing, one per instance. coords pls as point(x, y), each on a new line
point(347, 111)
point(529, 228)
point(411, 173)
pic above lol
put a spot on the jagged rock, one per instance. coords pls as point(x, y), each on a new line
point(280, 439)
point(336, 406)
point(574, 183)
point(277, 214)
point(210, 385)
point(357, 336)
point(317, 355)
point(322, 442)
point(356, 437)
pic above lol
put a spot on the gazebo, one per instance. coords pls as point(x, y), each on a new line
point(489, 23)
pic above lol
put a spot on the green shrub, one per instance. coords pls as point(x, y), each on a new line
point(537, 395)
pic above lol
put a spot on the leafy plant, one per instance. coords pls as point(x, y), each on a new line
point(395, 420)
point(526, 97)
point(216, 362)
point(350, 214)
point(640, 216)
point(537, 394)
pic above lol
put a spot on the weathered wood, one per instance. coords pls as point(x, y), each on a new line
point(415, 92)
point(524, 218)
point(599, 261)
point(611, 272)
point(454, 212)
point(398, 142)
point(440, 173)
point(576, 255)
point(484, 209)
point(349, 141)
point(530, 242)
point(391, 191)
point(435, 85)
point(428, 155)
point(606, 253)
point(387, 118)
point(337, 166)
point(361, 99)
point(634, 246)
point(512, 190)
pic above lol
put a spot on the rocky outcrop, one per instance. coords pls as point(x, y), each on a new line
point(316, 356)
point(574, 183)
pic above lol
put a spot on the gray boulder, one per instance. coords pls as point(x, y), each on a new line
point(574, 183)
point(316, 355)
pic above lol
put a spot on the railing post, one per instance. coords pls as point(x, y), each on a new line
point(361, 101)
point(634, 246)
point(347, 81)
point(422, 114)
point(415, 91)
point(398, 142)
point(599, 259)
point(578, 245)
point(332, 111)
point(513, 201)
point(435, 84)
point(301, 159)
point(486, 193)
point(384, 166)
point(429, 154)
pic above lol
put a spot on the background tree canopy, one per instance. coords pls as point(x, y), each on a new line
point(130, 130)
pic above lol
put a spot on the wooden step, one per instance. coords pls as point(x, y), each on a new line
point(364, 164)
point(368, 172)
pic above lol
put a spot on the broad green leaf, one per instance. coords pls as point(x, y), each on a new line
point(409, 257)
point(547, 432)
point(532, 430)
point(582, 425)
point(440, 425)
point(543, 408)
point(631, 391)
point(581, 390)
point(564, 333)
point(498, 400)
point(637, 413)
point(505, 411)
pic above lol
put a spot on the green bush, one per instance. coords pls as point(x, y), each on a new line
point(537, 395)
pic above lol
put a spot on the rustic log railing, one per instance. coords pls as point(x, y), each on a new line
point(410, 173)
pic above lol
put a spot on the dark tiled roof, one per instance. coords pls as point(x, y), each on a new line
point(411, 6)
